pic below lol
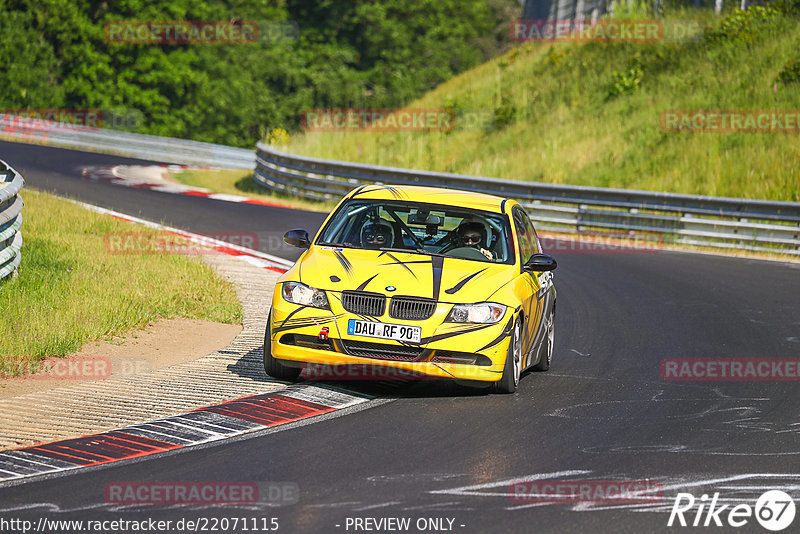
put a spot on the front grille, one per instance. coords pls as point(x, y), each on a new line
point(382, 351)
point(372, 304)
point(411, 308)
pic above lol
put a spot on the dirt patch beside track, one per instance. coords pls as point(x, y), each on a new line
point(161, 344)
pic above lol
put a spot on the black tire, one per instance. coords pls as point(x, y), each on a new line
point(547, 344)
point(272, 366)
point(513, 367)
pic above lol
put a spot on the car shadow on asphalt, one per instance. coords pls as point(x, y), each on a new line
point(357, 379)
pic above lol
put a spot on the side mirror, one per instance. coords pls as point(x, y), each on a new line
point(297, 238)
point(539, 263)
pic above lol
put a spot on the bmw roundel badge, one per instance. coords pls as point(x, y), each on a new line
point(391, 288)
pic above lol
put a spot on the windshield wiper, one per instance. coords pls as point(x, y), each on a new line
point(345, 245)
point(391, 249)
point(410, 250)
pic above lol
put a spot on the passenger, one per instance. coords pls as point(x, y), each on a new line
point(375, 235)
point(472, 234)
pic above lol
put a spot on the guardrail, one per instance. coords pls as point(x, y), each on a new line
point(10, 219)
point(759, 225)
point(152, 147)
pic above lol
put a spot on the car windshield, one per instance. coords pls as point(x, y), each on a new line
point(433, 229)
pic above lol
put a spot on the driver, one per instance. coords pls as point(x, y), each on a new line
point(471, 234)
point(375, 235)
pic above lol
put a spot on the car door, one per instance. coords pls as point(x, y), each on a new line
point(544, 295)
point(528, 245)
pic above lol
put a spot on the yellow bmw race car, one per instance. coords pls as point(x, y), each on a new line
point(436, 282)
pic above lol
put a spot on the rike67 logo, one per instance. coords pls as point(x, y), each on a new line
point(774, 510)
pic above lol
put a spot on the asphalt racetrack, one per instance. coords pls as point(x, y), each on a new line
point(448, 458)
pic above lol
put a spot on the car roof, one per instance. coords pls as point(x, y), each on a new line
point(432, 195)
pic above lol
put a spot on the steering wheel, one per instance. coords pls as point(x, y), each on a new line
point(467, 253)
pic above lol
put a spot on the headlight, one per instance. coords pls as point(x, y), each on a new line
point(483, 312)
point(298, 293)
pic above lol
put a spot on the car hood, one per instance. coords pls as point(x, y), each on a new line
point(444, 279)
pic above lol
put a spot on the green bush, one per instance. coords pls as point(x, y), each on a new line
point(627, 81)
point(790, 72)
point(504, 113)
point(744, 26)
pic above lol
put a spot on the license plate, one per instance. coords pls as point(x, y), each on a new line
point(397, 332)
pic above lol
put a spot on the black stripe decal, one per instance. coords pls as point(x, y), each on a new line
point(366, 282)
point(306, 321)
point(357, 191)
point(396, 193)
point(438, 263)
point(360, 190)
point(439, 337)
point(456, 288)
point(348, 267)
point(399, 262)
point(504, 334)
point(302, 307)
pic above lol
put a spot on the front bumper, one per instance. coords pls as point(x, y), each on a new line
point(471, 352)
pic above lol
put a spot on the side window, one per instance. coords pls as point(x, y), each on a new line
point(534, 239)
point(525, 246)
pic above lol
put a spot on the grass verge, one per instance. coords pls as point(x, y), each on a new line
point(70, 290)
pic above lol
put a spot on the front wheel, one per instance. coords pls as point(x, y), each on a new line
point(272, 366)
point(512, 369)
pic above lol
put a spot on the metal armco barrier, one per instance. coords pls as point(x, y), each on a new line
point(152, 147)
point(732, 223)
point(10, 220)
